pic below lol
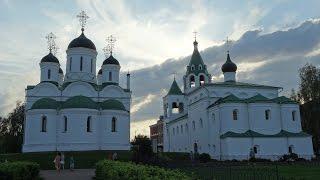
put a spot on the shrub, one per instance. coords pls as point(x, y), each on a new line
point(253, 159)
point(19, 170)
point(116, 170)
point(204, 157)
point(177, 156)
point(289, 157)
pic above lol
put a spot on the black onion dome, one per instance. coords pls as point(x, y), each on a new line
point(111, 60)
point(100, 71)
point(50, 58)
point(82, 41)
point(60, 71)
point(229, 66)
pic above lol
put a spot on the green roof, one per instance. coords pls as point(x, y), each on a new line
point(112, 104)
point(80, 102)
point(251, 133)
point(240, 84)
point(196, 60)
point(45, 103)
point(258, 98)
point(284, 100)
point(174, 89)
point(255, 99)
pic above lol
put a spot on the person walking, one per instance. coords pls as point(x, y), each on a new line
point(57, 161)
point(115, 156)
point(62, 161)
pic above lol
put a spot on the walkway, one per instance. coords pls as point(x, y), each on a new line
point(77, 174)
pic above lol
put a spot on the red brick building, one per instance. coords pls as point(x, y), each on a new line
point(156, 135)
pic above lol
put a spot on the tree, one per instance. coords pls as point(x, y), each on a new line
point(11, 130)
point(142, 149)
point(309, 98)
point(309, 89)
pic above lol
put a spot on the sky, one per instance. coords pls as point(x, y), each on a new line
point(270, 41)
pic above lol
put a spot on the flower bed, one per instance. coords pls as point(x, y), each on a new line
point(107, 169)
point(19, 170)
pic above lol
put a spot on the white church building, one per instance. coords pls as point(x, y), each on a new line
point(80, 109)
point(231, 119)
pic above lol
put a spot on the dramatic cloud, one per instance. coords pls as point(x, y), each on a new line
point(155, 39)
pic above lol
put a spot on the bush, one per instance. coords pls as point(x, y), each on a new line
point(177, 156)
point(259, 160)
point(289, 157)
point(116, 170)
point(19, 170)
point(204, 157)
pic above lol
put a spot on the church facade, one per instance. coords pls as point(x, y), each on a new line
point(231, 119)
point(81, 109)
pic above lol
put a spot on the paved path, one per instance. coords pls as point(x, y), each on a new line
point(77, 174)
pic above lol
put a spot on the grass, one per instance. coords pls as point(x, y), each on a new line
point(83, 159)
point(243, 172)
point(308, 172)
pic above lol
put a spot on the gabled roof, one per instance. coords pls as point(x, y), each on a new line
point(251, 133)
point(112, 104)
point(284, 100)
point(255, 99)
point(258, 98)
point(241, 84)
point(175, 89)
point(80, 102)
point(45, 103)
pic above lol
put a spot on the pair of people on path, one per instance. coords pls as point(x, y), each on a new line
point(59, 162)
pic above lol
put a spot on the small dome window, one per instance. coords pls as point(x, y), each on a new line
point(192, 67)
point(200, 67)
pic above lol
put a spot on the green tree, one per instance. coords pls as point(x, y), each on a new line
point(309, 98)
point(11, 130)
point(142, 149)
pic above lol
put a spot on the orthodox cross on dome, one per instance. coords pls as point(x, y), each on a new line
point(110, 45)
point(195, 35)
point(51, 43)
point(82, 19)
point(228, 44)
point(174, 73)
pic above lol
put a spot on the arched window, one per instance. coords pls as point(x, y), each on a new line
point(175, 108)
point(177, 129)
point(173, 131)
point(91, 65)
point(187, 128)
point(213, 117)
point(255, 149)
point(110, 76)
point(201, 123)
point(89, 124)
point(235, 114)
point(192, 67)
point(201, 80)
point(181, 108)
point(290, 149)
point(267, 114)
point(49, 73)
point(44, 124)
point(192, 81)
point(181, 128)
point(114, 124)
point(70, 65)
point(200, 67)
point(65, 125)
point(294, 115)
point(81, 63)
point(193, 125)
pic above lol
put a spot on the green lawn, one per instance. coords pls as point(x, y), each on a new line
point(85, 159)
point(307, 172)
point(243, 172)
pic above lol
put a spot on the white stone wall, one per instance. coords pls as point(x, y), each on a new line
point(250, 117)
